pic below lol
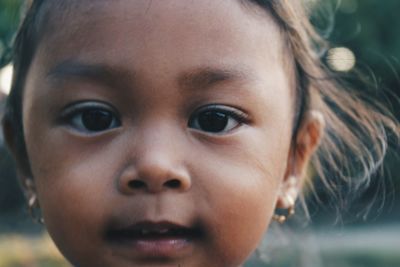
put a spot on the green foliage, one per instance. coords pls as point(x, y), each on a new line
point(337, 258)
point(371, 32)
point(361, 259)
point(25, 251)
point(9, 21)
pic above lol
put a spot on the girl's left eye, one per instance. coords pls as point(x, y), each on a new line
point(91, 118)
point(217, 120)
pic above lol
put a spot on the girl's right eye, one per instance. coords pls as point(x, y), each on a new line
point(91, 118)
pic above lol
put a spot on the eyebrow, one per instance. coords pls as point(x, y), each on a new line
point(196, 79)
point(203, 78)
point(99, 73)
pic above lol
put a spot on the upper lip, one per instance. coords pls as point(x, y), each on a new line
point(141, 228)
point(150, 226)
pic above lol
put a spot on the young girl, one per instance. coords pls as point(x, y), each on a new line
point(169, 133)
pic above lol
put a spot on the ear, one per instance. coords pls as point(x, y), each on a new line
point(307, 140)
point(23, 172)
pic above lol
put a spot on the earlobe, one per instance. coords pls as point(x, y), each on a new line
point(307, 141)
point(288, 193)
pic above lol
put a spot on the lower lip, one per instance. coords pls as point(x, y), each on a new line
point(158, 247)
point(167, 246)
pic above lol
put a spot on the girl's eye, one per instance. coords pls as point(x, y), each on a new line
point(217, 120)
point(91, 118)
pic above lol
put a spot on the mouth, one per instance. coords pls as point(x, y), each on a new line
point(154, 239)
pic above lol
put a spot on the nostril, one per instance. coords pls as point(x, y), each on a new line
point(136, 184)
point(175, 183)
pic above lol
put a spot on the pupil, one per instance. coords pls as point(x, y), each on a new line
point(96, 120)
point(212, 121)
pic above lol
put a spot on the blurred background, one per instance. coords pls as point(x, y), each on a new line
point(365, 36)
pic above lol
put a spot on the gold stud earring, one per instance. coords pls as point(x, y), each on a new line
point(33, 207)
point(282, 218)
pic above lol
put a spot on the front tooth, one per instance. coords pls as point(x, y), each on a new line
point(163, 231)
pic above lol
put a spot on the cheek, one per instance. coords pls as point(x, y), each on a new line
point(240, 192)
point(242, 219)
point(75, 188)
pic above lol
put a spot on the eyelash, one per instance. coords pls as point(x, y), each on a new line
point(73, 116)
point(100, 117)
point(229, 114)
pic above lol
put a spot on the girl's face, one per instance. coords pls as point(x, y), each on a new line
point(159, 132)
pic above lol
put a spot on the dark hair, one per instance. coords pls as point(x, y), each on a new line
point(355, 139)
point(24, 49)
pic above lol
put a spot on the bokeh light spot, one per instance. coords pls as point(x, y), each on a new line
point(341, 59)
point(5, 79)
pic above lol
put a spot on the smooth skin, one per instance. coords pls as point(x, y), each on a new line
point(155, 66)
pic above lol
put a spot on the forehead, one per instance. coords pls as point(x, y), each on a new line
point(162, 37)
point(61, 10)
point(165, 21)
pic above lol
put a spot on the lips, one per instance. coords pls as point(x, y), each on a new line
point(154, 239)
point(152, 231)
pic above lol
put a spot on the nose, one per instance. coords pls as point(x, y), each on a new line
point(153, 177)
point(157, 168)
